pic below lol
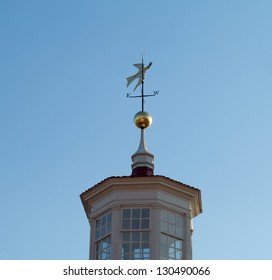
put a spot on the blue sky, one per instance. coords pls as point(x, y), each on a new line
point(66, 123)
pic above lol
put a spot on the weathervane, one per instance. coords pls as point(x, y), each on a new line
point(142, 119)
point(140, 75)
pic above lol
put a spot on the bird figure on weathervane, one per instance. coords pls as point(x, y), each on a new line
point(139, 75)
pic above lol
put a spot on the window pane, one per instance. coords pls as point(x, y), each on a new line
point(103, 231)
point(145, 236)
point(164, 239)
point(103, 249)
point(179, 221)
point(99, 246)
point(103, 226)
point(171, 248)
point(135, 224)
point(145, 213)
point(164, 250)
point(172, 229)
point(126, 236)
point(171, 241)
point(135, 247)
point(164, 226)
point(145, 246)
point(126, 257)
point(103, 220)
point(126, 248)
point(109, 228)
point(135, 236)
point(178, 255)
point(126, 213)
point(126, 224)
point(145, 224)
point(146, 256)
point(171, 218)
point(104, 244)
point(164, 216)
point(179, 232)
point(178, 244)
point(135, 213)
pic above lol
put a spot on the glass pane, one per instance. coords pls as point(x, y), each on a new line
point(135, 224)
point(126, 257)
point(104, 245)
point(172, 241)
point(171, 251)
point(172, 219)
point(99, 246)
point(126, 213)
point(164, 250)
point(103, 231)
point(145, 224)
point(164, 226)
point(164, 239)
point(109, 217)
point(178, 244)
point(126, 224)
point(103, 220)
point(135, 213)
point(145, 256)
point(145, 213)
point(97, 234)
point(179, 221)
point(172, 230)
point(179, 232)
point(109, 228)
point(164, 216)
point(145, 246)
point(135, 236)
point(136, 247)
point(126, 236)
point(145, 236)
point(126, 248)
point(137, 256)
point(178, 255)
point(171, 257)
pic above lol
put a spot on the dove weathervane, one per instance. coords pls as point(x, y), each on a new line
point(140, 75)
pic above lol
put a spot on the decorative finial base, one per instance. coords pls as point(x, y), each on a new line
point(142, 171)
point(142, 160)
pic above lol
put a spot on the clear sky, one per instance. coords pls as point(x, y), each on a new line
point(66, 123)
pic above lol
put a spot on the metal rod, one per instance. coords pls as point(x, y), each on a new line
point(142, 83)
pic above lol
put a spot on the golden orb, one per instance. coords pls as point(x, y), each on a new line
point(142, 119)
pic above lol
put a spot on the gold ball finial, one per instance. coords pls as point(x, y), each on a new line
point(142, 119)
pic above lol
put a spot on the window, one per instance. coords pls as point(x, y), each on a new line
point(103, 248)
point(171, 248)
point(103, 238)
point(172, 234)
point(136, 234)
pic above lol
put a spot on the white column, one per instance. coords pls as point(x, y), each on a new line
point(116, 234)
point(155, 239)
point(92, 239)
point(187, 245)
